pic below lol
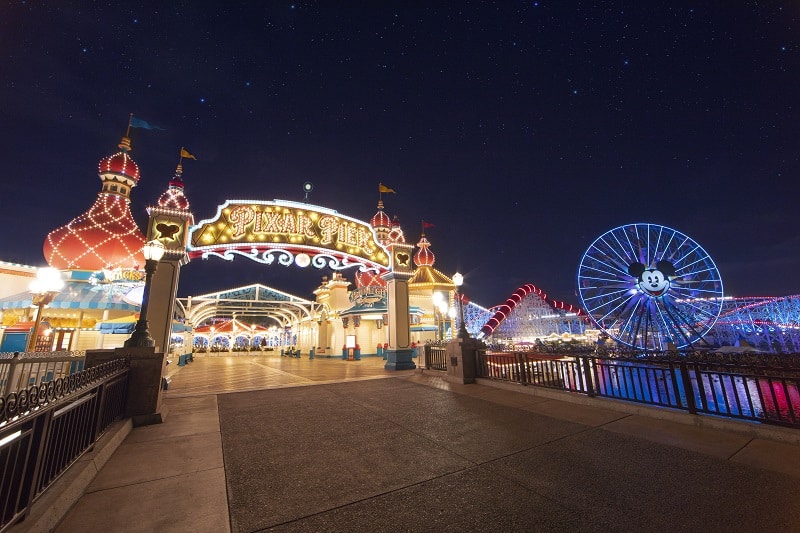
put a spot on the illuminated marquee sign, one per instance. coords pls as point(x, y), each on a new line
point(293, 232)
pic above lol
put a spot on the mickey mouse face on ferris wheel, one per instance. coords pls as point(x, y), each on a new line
point(652, 281)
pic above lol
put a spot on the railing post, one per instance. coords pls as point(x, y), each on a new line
point(520, 362)
point(587, 373)
point(38, 444)
point(687, 386)
point(10, 376)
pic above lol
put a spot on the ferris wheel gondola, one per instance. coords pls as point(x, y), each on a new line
point(650, 287)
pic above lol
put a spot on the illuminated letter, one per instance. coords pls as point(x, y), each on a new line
point(289, 225)
point(240, 217)
point(271, 223)
point(350, 238)
point(329, 226)
point(305, 226)
point(258, 220)
point(363, 238)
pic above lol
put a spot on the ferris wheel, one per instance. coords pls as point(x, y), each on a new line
point(649, 286)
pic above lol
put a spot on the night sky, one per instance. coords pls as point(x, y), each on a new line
point(522, 130)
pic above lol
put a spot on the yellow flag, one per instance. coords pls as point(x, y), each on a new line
point(187, 155)
point(384, 188)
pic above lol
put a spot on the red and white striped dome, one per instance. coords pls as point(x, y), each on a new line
point(173, 197)
point(106, 235)
point(120, 163)
point(369, 279)
point(424, 256)
point(380, 220)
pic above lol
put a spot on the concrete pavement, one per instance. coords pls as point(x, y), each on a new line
point(364, 449)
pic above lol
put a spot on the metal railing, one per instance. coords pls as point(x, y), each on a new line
point(46, 428)
point(21, 370)
point(435, 356)
point(755, 391)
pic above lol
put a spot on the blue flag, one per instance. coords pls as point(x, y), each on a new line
point(139, 123)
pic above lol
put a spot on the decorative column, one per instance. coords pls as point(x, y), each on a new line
point(322, 335)
point(170, 228)
point(345, 326)
point(357, 349)
point(399, 354)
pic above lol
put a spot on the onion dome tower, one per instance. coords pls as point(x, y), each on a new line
point(174, 197)
point(425, 275)
point(105, 236)
point(424, 256)
point(170, 218)
point(396, 232)
point(381, 224)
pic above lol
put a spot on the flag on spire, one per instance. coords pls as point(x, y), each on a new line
point(139, 123)
point(426, 225)
point(383, 188)
point(185, 153)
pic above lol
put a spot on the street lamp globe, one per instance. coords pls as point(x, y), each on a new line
point(43, 289)
point(153, 251)
point(458, 281)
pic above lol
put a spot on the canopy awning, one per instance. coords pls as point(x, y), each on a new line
point(79, 295)
point(126, 325)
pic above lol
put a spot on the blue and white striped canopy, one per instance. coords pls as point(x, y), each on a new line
point(79, 295)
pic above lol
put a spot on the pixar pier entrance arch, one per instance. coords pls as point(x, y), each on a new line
point(286, 233)
point(294, 233)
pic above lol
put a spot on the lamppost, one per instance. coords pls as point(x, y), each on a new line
point(140, 338)
point(43, 289)
point(458, 281)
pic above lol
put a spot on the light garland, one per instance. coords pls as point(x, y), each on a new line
point(424, 256)
point(120, 164)
point(381, 224)
point(174, 198)
point(369, 279)
point(104, 237)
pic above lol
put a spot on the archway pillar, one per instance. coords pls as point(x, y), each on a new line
point(160, 310)
point(165, 279)
point(399, 355)
point(322, 335)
